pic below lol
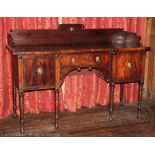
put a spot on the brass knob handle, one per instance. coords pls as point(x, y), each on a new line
point(97, 59)
point(71, 29)
point(129, 65)
point(40, 70)
point(79, 69)
point(73, 61)
point(90, 68)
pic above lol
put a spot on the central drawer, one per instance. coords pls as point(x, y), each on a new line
point(85, 60)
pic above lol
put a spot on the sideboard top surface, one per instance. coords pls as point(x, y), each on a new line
point(70, 37)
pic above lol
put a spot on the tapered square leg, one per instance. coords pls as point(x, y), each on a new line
point(14, 100)
point(140, 95)
point(21, 107)
point(56, 108)
point(112, 86)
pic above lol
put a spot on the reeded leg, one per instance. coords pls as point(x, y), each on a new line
point(112, 86)
point(56, 107)
point(121, 94)
point(21, 107)
point(14, 100)
point(140, 93)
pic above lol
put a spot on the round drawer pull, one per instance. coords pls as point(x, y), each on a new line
point(90, 68)
point(71, 29)
point(79, 69)
point(97, 59)
point(129, 65)
point(73, 61)
point(40, 70)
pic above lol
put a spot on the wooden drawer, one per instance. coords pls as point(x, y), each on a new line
point(38, 72)
point(84, 60)
point(128, 67)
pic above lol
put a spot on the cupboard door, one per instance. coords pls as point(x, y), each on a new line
point(128, 67)
point(38, 72)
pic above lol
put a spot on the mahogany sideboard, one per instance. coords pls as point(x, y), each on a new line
point(41, 59)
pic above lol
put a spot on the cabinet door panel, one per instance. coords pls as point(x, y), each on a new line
point(39, 72)
point(128, 67)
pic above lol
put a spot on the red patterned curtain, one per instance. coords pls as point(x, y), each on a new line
point(78, 89)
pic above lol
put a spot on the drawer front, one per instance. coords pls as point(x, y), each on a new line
point(128, 67)
point(85, 60)
point(38, 72)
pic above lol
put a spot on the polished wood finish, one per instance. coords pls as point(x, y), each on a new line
point(71, 27)
point(14, 100)
point(29, 40)
point(43, 59)
point(38, 71)
point(21, 107)
point(56, 107)
point(128, 67)
point(140, 97)
point(112, 86)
